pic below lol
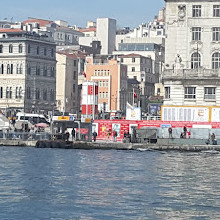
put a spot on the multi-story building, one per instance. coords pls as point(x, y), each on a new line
point(140, 68)
point(192, 58)
point(59, 31)
point(67, 82)
point(104, 32)
point(27, 72)
point(112, 78)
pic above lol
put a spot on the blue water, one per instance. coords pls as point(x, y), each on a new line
point(99, 185)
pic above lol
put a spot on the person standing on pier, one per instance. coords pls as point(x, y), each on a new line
point(73, 134)
point(94, 136)
point(115, 134)
point(213, 138)
point(170, 130)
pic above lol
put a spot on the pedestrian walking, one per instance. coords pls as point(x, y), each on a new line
point(94, 134)
point(115, 134)
point(73, 134)
point(213, 139)
point(170, 130)
point(108, 135)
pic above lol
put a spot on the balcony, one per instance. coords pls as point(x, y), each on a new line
point(191, 74)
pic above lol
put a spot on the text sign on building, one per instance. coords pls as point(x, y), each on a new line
point(133, 113)
point(184, 113)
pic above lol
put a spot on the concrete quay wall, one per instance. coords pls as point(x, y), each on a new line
point(110, 145)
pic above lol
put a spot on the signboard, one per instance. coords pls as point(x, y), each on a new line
point(154, 109)
point(116, 127)
point(215, 114)
point(184, 113)
point(63, 118)
point(133, 113)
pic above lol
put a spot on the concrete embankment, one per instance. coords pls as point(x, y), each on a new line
point(110, 145)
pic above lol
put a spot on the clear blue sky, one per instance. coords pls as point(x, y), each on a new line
point(126, 12)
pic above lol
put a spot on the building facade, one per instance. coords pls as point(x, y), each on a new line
point(67, 82)
point(112, 78)
point(192, 58)
point(27, 72)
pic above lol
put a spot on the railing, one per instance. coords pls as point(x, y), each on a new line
point(10, 135)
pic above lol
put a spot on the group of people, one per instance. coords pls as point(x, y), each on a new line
point(185, 134)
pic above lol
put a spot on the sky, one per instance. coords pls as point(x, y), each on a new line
point(128, 13)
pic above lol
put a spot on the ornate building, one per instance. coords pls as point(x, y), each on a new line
point(192, 58)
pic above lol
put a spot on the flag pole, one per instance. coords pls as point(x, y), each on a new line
point(133, 97)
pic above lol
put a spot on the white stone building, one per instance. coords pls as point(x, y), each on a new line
point(192, 58)
point(27, 72)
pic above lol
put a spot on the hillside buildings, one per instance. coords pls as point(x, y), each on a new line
point(192, 58)
point(27, 72)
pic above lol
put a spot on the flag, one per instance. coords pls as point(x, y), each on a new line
point(84, 74)
point(135, 95)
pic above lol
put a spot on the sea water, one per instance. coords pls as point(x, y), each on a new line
point(108, 184)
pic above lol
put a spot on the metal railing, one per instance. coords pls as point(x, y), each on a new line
point(10, 135)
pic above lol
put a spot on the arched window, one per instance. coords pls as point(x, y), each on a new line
point(28, 69)
point(18, 69)
point(195, 60)
point(45, 71)
point(1, 48)
point(45, 51)
point(8, 69)
point(10, 48)
point(29, 48)
point(216, 60)
point(20, 48)
point(21, 68)
point(52, 52)
point(17, 92)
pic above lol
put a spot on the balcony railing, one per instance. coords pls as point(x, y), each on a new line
point(191, 73)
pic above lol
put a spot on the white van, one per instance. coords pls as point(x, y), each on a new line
point(33, 118)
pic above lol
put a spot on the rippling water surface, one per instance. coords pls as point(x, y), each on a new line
point(102, 185)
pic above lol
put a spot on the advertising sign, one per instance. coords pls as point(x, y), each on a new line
point(133, 113)
point(154, 109)
point(184, 113)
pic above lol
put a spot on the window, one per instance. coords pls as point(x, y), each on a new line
point(19, 69)
point(216, 60)
point(2, 69)
point(28, 92)
point(37, 94)
point(133, 69)
point(45, 51)
point(74, 62)
point(1, 92)
point(45, 94)
point(216, 10)
point(190, 93)
point(209, 93)
point(52, 52)
point(195, 60)
point(133, 59)
point(216, 34)
point(20, 48)
point(196, 10)
point(28, 69)
point(74, 75)
point(122, 60)
point(52, 72)
point(10, 48)
point(29, 48)
point(38, 70)
point(17, 92)
point(45, 71)
point(167, 93)
point(38, 50)
point(74, 88)
point(1, 48)
point(8, 92)
point(52, 95)
point(196, 33)
point(8, 69)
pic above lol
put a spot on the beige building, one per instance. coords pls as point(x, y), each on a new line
point(192, 58)
point(67, 82)
point(27, 72)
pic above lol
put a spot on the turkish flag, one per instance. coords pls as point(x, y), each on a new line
point(135, 95)
point(84, 74)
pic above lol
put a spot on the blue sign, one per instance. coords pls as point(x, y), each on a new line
point(71, 118)
point(154, 109)
point(165, 126)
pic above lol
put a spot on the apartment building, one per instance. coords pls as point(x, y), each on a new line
point(27, 72)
